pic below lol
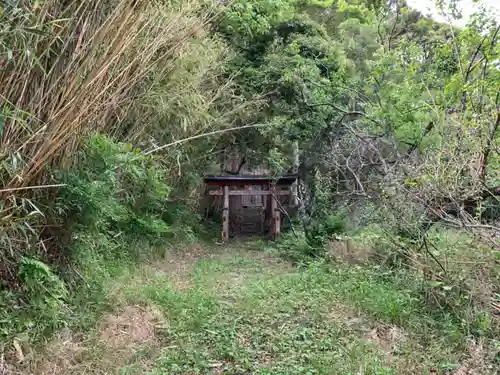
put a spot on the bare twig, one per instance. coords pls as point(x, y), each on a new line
point(431, 254)
point(391, 35)
point(487, 150)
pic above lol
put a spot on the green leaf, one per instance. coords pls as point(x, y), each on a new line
point(435, 283)
point(33, 30)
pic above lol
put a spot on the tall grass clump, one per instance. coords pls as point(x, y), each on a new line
point(145, 72)
point(68, 69)
point(72, 68)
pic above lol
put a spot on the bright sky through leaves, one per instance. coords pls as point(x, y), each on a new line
point(468, 7)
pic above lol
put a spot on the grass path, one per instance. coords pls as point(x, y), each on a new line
point(241, 311)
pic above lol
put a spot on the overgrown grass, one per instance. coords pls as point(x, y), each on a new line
point(442, 291)
point(243, 310)
point(455, 272)
point(247, 315)
point(74, 87)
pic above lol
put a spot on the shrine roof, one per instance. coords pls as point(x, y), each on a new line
point(284, 180)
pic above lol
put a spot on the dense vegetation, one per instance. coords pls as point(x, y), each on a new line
point(112, 111)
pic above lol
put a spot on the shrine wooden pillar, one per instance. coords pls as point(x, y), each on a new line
point(275, 213)
point(225, 215)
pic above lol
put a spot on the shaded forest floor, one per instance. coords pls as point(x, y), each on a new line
point(243, 310)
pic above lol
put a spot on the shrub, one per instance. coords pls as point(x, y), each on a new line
point(326, 227)
point(44, 290)
point(37, 306)
point(297, 247)
point(88, 71)
point(116, 190)
point(111, 208)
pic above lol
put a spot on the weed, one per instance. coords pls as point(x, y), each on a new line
point(303, 247)
point(243, 315)
point(41, 309)
point(298, 248)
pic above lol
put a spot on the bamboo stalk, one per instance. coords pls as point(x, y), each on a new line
point(203, 136)
point(9, 190)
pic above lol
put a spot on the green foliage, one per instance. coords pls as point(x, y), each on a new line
point(114, 71)
point(391, 111)
point(328, 227)
point(302, 248)
point(42, 287)
point(254, 19)
point(294, 63)
point(36, 310)
point(298, 248)
point(115, 189)
point(447, 264)
point(115, 208)
point(116, 204)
